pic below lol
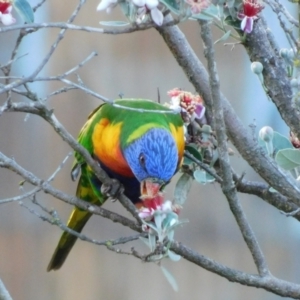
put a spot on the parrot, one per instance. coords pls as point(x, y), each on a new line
point(134, 142)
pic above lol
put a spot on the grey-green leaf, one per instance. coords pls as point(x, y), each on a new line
point(173, 256)
point(24, 9)
point(170, 278)
point(182, 188)
point(288, 159)
point(202, 177)
point(279, 142)
point(114, 23)
point(224, 37)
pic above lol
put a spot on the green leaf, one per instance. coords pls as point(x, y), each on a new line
point(24, 9)
point(224, 37)
point(114, 23)
point(170, 278)
point(182, 188)
point(203, 177)
point(279, 142)
point(192, 149)
point(288, 159)
point(236, 24)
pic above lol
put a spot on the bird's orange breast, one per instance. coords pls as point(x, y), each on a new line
point(106, 145)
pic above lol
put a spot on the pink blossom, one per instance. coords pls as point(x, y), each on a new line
point(197, 6)
point(190, 105)
point(157, 203)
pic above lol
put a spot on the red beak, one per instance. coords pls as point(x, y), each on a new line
point(149, 188)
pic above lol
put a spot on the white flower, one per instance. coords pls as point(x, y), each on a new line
point(107, 4)
point(149, 5)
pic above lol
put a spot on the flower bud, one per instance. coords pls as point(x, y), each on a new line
point(283, 52)
point(257, 67)
point(266, 134)
point(294, 83)
point(291, 54)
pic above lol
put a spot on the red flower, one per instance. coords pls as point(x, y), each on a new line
point(251, 8)
point(4, 6)
point(6, 17)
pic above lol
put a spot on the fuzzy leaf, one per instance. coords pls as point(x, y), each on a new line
point(170, 278)
point(114, 23)
point(224, 37)
point(173, 256)
point(202, 177)
point(288, 159)
point(152, 241)
point(24, 9)
point(279, 142)
point(182, 188)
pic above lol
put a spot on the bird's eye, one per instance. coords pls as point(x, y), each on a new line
point(142, 160)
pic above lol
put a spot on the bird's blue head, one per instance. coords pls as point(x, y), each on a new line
point(153, 159)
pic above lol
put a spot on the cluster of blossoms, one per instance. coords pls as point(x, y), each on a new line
point(189, 105)
point(159, 218)
point(250, 10)
point(6, 17)
point(144, 8)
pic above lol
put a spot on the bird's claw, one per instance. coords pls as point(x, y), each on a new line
point(113, 189)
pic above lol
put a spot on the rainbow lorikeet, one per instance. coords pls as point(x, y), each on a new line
point(141, 148)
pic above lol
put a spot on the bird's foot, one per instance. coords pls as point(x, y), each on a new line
point(113, 189)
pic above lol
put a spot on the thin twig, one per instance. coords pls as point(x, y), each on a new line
point(53, 47)
point(6, 162)
point(66, 25)
point(55, 220)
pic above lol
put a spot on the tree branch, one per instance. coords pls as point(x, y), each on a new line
point(269, 282)
point(11, 164)
point(275, 74)
point(240, 137)
point(228, 187)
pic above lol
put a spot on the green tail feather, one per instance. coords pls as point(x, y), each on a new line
point(77, 221)
point(68, 240)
